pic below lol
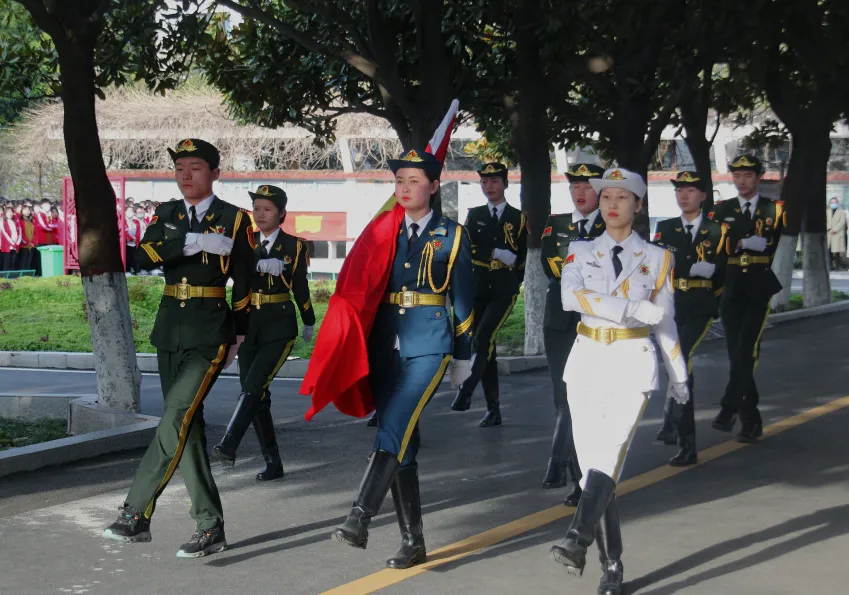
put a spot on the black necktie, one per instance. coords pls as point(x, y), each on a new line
point(263, 251)
point(748, 211)
point(494, 218)
point(414, 234)
point(583, 232)
point(617, 264)
point(193, 219)
point(690, 232)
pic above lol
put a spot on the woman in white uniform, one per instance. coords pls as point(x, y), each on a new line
point(622, 286)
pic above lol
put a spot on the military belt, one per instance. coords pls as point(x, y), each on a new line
point(260, 299)
point(608, 335)
point(492, 265)
point(746, 260)
point(686, 284)
point(411, 299)
point(184, 291)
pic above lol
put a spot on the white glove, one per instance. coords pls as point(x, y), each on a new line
point(272, 266)
point(213, 243)
point(461, 369)
point(191, 247)
point(234, 349)
point(504, 256)
point(679, 392)
point(754, 243)
point(644, 311)
point(308, 333)
point(702, 269)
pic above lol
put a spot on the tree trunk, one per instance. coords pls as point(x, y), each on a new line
point(532, 146)
point(782, 266)
point(817, 283)
point(630, 149)
point(700, 150)
point(101, 267)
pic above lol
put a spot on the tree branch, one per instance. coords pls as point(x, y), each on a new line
point(390, 84)
point(357, 61)
point(49, 23)
point(660, 122)
point(333, 13)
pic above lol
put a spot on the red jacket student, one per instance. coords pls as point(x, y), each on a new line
point(45, 226)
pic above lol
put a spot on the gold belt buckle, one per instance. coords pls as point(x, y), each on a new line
point(683, 284)
point(744, 260)
point(407, 299)
point(607, 335)
point(182, 291)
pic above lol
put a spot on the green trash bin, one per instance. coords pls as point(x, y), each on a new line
point(52, 264)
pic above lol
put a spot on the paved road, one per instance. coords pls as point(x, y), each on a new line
point(770, 519)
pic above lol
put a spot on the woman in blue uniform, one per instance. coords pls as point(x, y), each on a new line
point(410, 346)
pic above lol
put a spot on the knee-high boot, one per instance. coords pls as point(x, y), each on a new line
point(489, 383)
point(609, 539)
point(225, 451)
point(264, 428)
point(572, 551)
point(379, 475)
point(408, 508)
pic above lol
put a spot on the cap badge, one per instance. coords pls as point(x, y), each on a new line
point(186, 146)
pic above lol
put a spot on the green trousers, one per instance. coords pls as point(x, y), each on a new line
point(259, 363)
point(186, 378)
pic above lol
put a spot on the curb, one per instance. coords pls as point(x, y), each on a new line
point(74, 448)
point(781, 317)
point(293, 368)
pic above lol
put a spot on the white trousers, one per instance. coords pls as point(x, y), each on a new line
point(603, 425)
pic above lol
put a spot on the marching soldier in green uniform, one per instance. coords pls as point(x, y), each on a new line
point(754, 226)
point(559, 326)
point(499, 249)
point(201, 243)
point(698, 244)
point(279, 273)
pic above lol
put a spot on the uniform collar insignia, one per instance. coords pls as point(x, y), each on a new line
point(600, 255)
point(597, 226)
point(704, 232)
point(637, 254)
point(180, 216)
point(679, 229)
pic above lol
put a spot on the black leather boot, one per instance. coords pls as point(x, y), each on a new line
point(225, 451)
point(379, 475)
point(372, 421)
point(667, 434)
point(725, 420)
point(687, 452)
point(572, 551)
point(609, 539)
point(408, 508)
point(489, 384)
point(554, 475)
point(573, 476)
point(462, 401)
point(264, 428)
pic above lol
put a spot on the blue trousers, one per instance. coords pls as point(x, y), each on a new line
point(401, 389)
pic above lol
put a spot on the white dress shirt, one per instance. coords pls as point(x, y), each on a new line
point(590, 219)
point(201, 208)
point(754, 203)
point(271, 239)
point(695, 223)
point(499, 208)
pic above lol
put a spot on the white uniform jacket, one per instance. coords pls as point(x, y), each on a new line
point(588, 285)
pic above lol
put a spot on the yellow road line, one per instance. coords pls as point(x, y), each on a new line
point(461, 549)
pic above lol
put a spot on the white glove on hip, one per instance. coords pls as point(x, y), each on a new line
point(644, 311)
point(504, 256)
point(234, 349)
point(213, 243)
point(754, 243)
point(272, 266)
point(679, 392)
point(702, 269)
point(461, 369)
point(308, 333)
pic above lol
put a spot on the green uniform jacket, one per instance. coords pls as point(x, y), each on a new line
point(195, 322)
point(756, 280)
point(559, 232)
point(709, 246)
point(509, 234)
point(272, 322)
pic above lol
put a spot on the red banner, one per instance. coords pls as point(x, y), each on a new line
point(313, 226)
point(69, 208)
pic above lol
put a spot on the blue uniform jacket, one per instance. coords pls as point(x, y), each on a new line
point(438, 262)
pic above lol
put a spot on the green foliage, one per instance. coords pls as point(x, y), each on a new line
point(14, 433)
point(49, 315)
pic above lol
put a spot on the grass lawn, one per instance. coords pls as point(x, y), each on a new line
point(14, 432)
point(49, 315)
